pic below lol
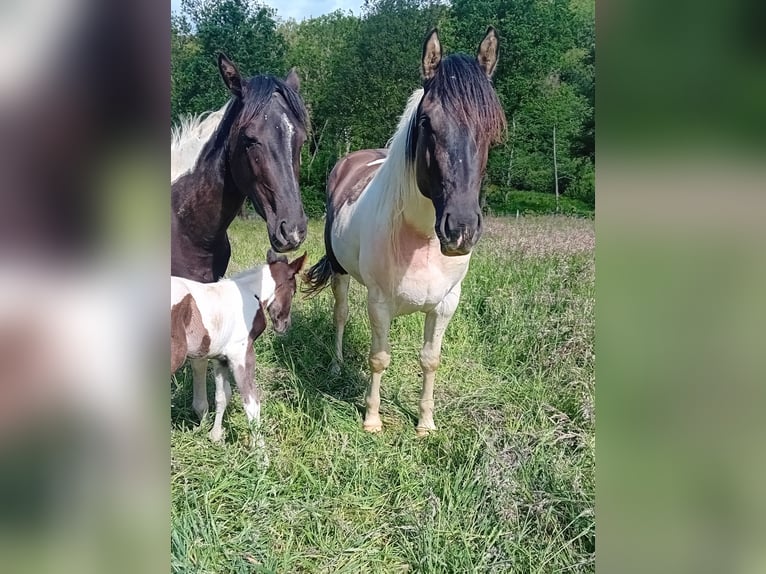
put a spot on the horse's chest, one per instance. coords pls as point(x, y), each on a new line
point(419, 276)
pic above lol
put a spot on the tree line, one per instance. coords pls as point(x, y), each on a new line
point(357, 72)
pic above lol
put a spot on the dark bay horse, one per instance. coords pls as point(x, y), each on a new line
point(249, 148)
point(403, 220)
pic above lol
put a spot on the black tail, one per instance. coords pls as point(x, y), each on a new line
point(317, 277)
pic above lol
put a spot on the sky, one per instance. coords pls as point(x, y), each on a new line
point(301, 9)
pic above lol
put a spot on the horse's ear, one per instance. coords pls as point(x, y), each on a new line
point(293, 80)
point(487, 54)
point(230, 75)
point(298, 264)
point(432, 54)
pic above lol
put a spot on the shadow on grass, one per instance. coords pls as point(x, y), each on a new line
point(307, 351)
point(182, 416)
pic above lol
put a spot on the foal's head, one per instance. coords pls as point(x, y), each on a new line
point(264, 150)
point(283, 274)
point(458, 119)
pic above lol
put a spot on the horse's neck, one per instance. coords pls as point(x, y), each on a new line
point(403, 204)
point(188, 140)
point(258, 282)
point(418, 213)
point(209, 194)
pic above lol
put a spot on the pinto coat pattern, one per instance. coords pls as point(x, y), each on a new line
point(220, 321)
point(403, 221)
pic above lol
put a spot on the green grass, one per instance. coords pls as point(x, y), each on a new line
point(505, 485)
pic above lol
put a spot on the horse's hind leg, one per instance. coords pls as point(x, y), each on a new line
point(380, 358)
point(340, 283)
point(435, 324)
point(199, 377)
point(222, 396)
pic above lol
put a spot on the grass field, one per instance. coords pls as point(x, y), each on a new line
point(505, 485)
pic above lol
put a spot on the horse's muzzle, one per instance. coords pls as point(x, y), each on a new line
point(457, 236)
point(288, 237)
point(454, 250)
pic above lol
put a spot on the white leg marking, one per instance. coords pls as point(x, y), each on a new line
point(222, 396)
point(380, 358)
point(435, 324)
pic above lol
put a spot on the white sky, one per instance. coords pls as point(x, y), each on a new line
point(301, 9)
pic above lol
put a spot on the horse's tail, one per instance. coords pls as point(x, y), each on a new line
point(316, 277)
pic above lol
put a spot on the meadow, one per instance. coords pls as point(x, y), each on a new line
point(506, 484)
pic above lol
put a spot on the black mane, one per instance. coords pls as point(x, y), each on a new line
point(257, 94)
point(466, 94)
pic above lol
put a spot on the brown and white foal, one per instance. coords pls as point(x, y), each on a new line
point(220, 321)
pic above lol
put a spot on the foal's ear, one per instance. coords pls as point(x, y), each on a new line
point(297, 265)
point(293, 80)
point(230, 75)
point(487, 54)
point(432, 54)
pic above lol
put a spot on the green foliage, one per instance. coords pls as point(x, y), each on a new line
point(507, 483)
point(505, 201)
point(244, 30)
point(358, 71)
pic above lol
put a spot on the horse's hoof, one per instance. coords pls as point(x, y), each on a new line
point(335, 368)
point(216, 438)
point(373, 427)
point(423, 431)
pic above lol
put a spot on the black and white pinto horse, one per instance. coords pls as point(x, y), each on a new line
point(403, 220)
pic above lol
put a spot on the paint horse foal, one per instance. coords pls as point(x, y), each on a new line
point(221, 321)
point(249, 148)
point(402, 221)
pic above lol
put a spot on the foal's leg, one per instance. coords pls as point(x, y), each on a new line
point(380, 358)
point(340, 315)
point(222, 396)
point(199, 376)
point(243, 369)
point(435, 324)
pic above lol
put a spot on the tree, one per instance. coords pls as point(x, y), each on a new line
point(244, 30)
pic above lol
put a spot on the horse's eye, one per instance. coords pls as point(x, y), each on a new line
point(249, 142)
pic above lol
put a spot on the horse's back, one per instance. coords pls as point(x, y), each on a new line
point(345, 184)
point(351, 175)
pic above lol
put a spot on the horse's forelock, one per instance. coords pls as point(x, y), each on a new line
point(464, 90)
point(258, 94)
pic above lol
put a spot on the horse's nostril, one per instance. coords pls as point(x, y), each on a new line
point(444, 227)
point(282, 231)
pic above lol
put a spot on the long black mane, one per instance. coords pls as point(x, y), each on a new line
point(466, 94)
point(257, 94)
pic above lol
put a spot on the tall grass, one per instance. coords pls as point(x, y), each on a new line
point(505, 484)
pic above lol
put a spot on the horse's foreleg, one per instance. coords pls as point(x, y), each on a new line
point(380, 358)
point(199, 377)
point(222, 396)
point(340, 285)
point(435, 324)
